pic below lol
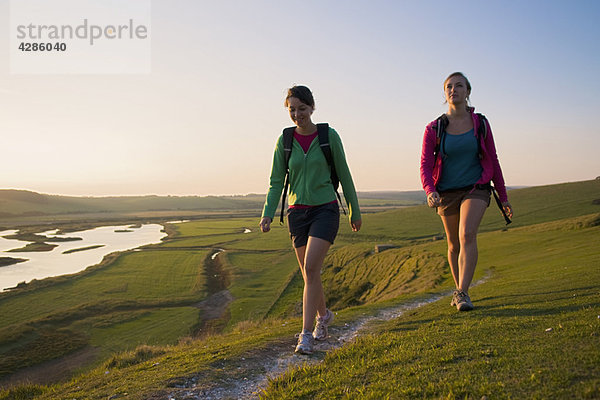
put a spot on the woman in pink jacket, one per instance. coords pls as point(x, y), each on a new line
point(456, 170)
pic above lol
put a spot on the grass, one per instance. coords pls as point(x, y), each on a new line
point(534, 332)
point(163, 276)
point(153, 328)
point(410, 224)
point(39, 346)
point(96, 246)
point(146, 298)
point(34, 247)
point(6, 261)
point(501, 350)
point(38, 242)
point(22, 202)
point(144, 286)
point(356, 275)
point(20, 207)
point(148, 368)
point(257, 281)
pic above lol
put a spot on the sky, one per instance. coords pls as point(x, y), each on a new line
point(204, 118)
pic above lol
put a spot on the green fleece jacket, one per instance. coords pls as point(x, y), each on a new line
point(310, 177)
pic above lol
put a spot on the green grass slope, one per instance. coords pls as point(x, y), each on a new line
point(146, 297)
point(22, 202)
point(127, 295)
point(531, 206)
point(533, 334)
point(18, 204)
point(262, 276)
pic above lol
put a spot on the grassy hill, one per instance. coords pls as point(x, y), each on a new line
point(533, 334)
point(130, 314)
point(22, 207)
point(25, 203)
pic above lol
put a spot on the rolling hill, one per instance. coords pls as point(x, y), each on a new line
point(150, 327)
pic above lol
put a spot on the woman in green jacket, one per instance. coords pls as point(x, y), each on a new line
point(313, 213)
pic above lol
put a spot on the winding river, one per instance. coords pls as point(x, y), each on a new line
point(90, 250)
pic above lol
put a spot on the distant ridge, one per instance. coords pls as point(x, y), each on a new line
point(415, 195)
point(22, 195)
point(19, 206)
point(25, 203)
point(18, 203)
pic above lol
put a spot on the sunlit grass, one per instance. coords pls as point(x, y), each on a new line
point(258, 280)
point(137, 276)
point(148, 298)
point(152, 328)
point(533, 334)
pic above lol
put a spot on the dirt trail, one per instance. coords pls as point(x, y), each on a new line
point(244, 378)
point(215, 308)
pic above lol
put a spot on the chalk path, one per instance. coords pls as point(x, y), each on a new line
point(249, 375)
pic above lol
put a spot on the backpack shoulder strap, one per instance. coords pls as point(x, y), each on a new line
point(482, 131)
point(288, 138)
point(323, 132)
point(441, 124)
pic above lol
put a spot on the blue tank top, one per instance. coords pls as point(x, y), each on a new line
point(460, 161)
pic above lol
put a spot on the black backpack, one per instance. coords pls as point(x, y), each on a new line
point(441, 124)
point(288, 138)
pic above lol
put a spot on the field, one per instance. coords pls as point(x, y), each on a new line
point(149, 317)
point(534, 332)
point(21, 208)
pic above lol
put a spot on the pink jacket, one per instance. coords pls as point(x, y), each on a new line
point(430, 173)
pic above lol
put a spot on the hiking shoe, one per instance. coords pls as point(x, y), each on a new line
point(463, 302)
point(305, 343)
point(320, 332)
point(454, 297)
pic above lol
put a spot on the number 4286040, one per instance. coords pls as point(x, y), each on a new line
point(25, 46)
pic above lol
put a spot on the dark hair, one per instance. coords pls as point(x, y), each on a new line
point(302, 93)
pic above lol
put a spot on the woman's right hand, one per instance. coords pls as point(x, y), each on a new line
point(355, 225)
point(265, 224)
point(433, 199)
point(507, 209)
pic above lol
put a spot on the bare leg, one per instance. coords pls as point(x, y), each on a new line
point(451, 223)
point(471, 213)
point(310, 259)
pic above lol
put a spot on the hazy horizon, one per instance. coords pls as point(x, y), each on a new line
point(253, 193)
point(205, 119)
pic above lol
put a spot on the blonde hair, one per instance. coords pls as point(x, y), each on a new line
point(466, 81)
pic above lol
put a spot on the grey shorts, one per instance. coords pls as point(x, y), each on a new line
point(321, 221)
point(452, 199)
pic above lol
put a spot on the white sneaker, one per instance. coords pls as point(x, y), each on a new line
point(305, 343)
point(320, 332)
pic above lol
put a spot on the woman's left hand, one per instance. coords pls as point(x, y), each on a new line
point(356, 225)
point(507, 209)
